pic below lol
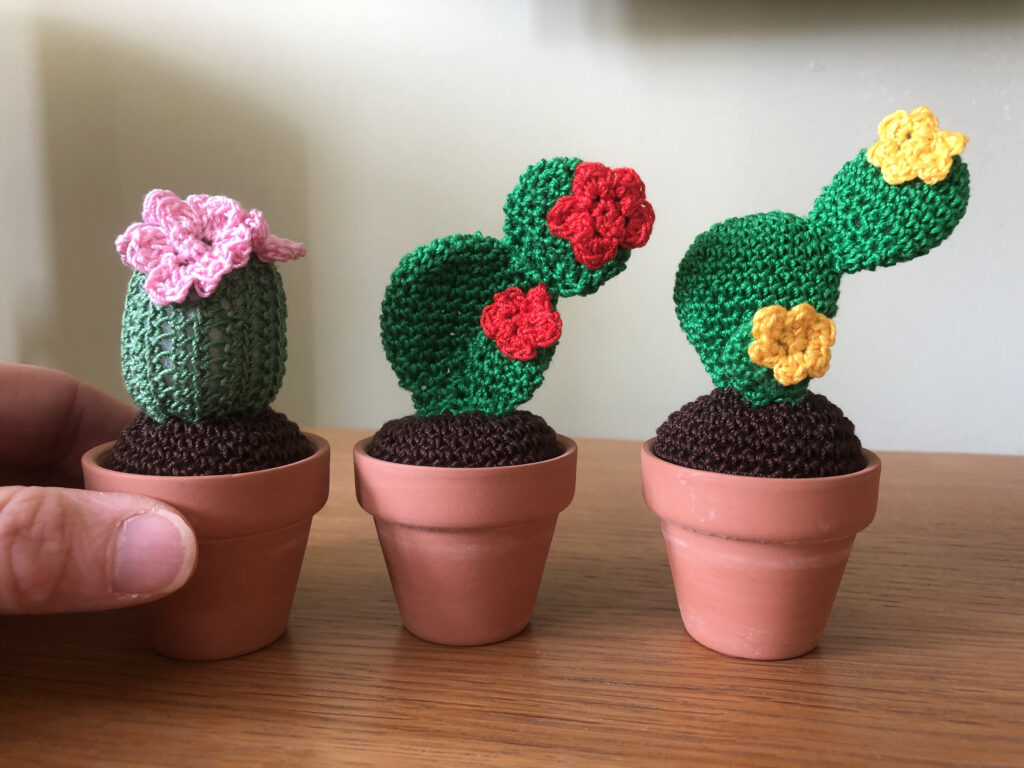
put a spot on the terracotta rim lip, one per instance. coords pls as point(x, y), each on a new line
point(874, 462)
point(97, 456)
point(464, 498)
point(569, 449)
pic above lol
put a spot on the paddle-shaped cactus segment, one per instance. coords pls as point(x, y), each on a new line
point(755, 295)
point(469, 322)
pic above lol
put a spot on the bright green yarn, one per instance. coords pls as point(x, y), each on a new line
point(206, 358)
point(868, 223)
point(430, 328)
point(741, 265)
point(734, 269)
point(536, 252)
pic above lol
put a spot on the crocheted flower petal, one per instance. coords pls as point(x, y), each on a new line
point(167, 285)
point(592, 181)
point(594, 251)
point(206, 274)
point(143, 247)
point(627, 183)
point(569, 218)
point(221, 217)
point(638, 227)
point(894, 127)
point(608, 221)
point(274, 248)
point(164, 209)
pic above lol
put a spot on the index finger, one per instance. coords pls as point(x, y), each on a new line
point(48, 419)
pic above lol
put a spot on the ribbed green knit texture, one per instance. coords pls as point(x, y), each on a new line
point(430, 327)
point(538, 253)
point(206, 358)
point(743, 264)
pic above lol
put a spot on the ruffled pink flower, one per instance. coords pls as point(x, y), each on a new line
point(193, 243)
point(520, 323)
point(607, 210)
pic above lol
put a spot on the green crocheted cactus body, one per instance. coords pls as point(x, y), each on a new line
point(734, 269)
point(868, 223)
point(206, 358)
point(538, 253)
point(432, 335)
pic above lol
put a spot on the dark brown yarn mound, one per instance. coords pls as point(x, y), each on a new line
point(469, 439)
point(242, 444)
point(722, 432)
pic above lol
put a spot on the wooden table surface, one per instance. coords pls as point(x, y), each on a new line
point(922, 663)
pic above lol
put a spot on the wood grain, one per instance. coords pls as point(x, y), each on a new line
point(922, 663)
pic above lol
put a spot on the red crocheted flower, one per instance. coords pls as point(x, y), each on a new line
point(520, 323)
point(607, 210)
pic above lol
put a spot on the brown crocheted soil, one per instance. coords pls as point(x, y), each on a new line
point(722, 432)
point(469, 439)
point(175, 447)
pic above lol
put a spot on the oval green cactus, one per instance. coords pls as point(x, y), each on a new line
point(206, 358)
point(203, 330)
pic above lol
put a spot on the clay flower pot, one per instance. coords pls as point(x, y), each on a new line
point(465, 547)
point(757, 561)
point(252, 530)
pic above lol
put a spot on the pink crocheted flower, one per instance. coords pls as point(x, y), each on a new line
point(520, 323)
point(193, 243)
point(607, 210)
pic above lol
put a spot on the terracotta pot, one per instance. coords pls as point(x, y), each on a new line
point(757, 561)
point(252, 529)
point(465, 548)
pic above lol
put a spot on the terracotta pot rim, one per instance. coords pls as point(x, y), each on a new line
point(763, 509)
point(98, 455)
point(464, 498)
point(567, 444)
point(221, 507)
point(873, 461)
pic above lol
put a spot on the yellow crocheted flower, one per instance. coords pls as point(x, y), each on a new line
point(912, 147)
point(794, 343)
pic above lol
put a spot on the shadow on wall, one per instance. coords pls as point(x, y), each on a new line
point(654, 19)
point(116, 123)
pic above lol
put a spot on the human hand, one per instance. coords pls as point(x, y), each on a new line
point(63, 548)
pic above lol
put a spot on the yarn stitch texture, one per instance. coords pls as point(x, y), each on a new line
point(608, 209)
point(470, 439)
point(723, 432)
point(189, 245)
point(521, 323)
point(911, 146)
point(181, 448)
point(793, 343)
point(211, 358)
point(469, 322)
point(741, 265)
point(755, 296)
point(203, 343)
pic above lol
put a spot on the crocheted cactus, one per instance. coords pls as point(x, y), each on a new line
point(203, 331)
point(755, 296)
point(469, 322)
point(203, 339)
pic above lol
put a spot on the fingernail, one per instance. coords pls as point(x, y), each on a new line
point(152, 555)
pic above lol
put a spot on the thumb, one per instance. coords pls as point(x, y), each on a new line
point(63, 549)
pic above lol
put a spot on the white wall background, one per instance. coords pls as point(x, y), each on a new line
point(367, 128)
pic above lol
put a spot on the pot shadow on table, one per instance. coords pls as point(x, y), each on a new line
point(923, 587)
